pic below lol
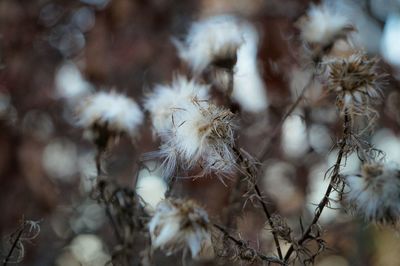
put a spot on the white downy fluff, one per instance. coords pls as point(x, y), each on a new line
point(178, 224)
point(323, 24)
point(210, 39)
point(116, 112)
point(248, 87)
point(166, 99)
point(202, 134)
point(376, 193)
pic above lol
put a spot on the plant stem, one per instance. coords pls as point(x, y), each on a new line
point(265, 146)
point(252, 174)
point(14, 245)
point(242, 244)
point(325, 200)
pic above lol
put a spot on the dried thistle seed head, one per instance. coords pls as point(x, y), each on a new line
point(353, 74)
point(178, 224)
point(355, 80)
point(202, 134)
point(212, 41)
point(166, 99)
point(375, 193)
point(108, 114)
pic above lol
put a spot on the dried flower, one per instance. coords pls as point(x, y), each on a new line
point(107, 114)
point(323, 25)
point(178, 224)
point(376, 192)
point(165, 100)
point(355, 81)
point(202, 133)
point(213, 41)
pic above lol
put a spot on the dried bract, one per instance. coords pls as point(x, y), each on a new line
point(178, 224)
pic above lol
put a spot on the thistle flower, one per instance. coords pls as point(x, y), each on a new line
point(178, 224)
point(323, 25)
point(212, 41)
point(375, 193)
point(105, 115)
point(355, 81)
point(165, 100)
point(202, 133)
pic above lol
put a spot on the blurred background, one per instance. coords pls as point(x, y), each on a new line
point(51, 51)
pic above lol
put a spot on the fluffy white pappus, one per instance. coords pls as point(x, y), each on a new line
point(248, 87)
point(166, 99)
point(179, 224)
point(202, 134)
point(110, 111)
point(375, 193)
point(323, 24)
point(210, 40)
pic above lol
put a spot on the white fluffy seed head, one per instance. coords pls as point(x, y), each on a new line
point(202, 134)
point(323, 25)
point(166, 99)
point(376, 193)
point(212, 40)
point(179, 224)
point(110, 111)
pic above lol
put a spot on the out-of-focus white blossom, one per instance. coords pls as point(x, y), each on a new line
point(150, 185)
point(179, 224)
point(375, 193)
point(109, 111)
point(248, 87)
point(166, 99)
point(70, 85)
point(390, 43)
point(202, 134)
point(211, 40)
point(323, 24)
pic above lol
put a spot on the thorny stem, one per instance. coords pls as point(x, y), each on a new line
point(14, 245)
point(109, 214)
point(265, 146)
point(170, 186)
point(242, 244)
point(325, 200)
point(98, 161)
point(101, 186)
point(253, 176)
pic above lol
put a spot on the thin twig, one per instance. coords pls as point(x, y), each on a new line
point(325, 200)
point(242, 244)
point(253, 176)
point(14, 245)
point(265, 146)
point(102, 186)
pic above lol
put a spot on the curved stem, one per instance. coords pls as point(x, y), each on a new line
point(325, 200)
point(253, 175)
point(242, 244)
